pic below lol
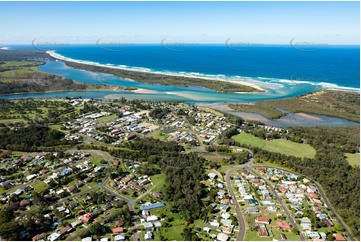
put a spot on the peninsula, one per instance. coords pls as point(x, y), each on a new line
point(219, 85)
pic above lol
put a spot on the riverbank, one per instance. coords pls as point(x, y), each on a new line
point(331, 103)
point(147, 76)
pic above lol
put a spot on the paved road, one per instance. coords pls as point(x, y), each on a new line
point(242, 225)
point(324, 197)
point(227, 178)
point(293, 222)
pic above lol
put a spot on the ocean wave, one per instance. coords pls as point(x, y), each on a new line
point(263, 82)
point(324, 85)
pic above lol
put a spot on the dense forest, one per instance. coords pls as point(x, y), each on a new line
point(30, 138)
point(21, 55)
point(330, 168)
point(183, 173)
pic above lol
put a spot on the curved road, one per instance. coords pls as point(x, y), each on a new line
point(240, 218)
point(242, 225)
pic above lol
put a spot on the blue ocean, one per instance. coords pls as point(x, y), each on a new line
point(282, 70)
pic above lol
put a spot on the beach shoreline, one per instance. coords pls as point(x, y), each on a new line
point(144, 70)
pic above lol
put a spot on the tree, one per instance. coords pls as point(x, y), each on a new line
point(329, 236)
point(84, 233)
point(10, 230)
point(97, 229)
point(187, 233)
point(338, 227)
point(295, 231)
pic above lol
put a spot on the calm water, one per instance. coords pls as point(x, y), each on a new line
point(281, 70)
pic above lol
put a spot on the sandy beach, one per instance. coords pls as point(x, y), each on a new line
point(143, 91)
point(145, 70)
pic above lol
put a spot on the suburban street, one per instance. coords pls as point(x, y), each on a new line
point(227, 178)
point(293, 222)
point(324, 197)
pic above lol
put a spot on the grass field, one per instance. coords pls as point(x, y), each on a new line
point(96, 160)
point(353, 159)
point(107, 118)
point(40, 186)
point(282, 146)
point(158, 181)
point(159, 135)
point(177, 224)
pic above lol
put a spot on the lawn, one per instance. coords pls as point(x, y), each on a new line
point(159, 135)
point(107, 118)
point(282, 146)
point(40, 186)
point(353, 159)
point(158, 181)
point(96, 160)
point(11, 120)
point(173, 233)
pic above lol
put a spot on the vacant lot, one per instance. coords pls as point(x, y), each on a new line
point(282, 146)
point(107, 118)
point(40, 186)
point(159, 135)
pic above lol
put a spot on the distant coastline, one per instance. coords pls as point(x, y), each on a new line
point(234, 86)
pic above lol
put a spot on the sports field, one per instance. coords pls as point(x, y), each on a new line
point(282, 146)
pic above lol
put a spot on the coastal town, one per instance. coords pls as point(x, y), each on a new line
point(180, 121)
point(85, 193)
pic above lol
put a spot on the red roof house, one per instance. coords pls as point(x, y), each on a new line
point(262, 220)
point(86, 217)
point(118, 230)
point(262, 232)
point(283, 189)
point(339, 237)
point(313, 196)
point(283, 226)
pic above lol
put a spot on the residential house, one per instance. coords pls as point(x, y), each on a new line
point(262, 231)
point(152, 218)
point(65, 230)
point(212, 175)
point(119, 237)
point(227, 229)
point(157, 224)
point(117, 230)
point(339, 237)
point(54, 236)
point(148, 236)
point(214, 223)
point(284, 226)
point(306, 224)
point(86, 218)
point(327, 222)
point(148, 225)
point(222, 237)
point(76, 223)
point(262, 220)
point(252, 210)
point(39, 237)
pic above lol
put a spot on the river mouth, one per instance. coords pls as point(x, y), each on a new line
point(290, 120)
point(191, 95)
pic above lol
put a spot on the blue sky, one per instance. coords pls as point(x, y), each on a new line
point(198, 22)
